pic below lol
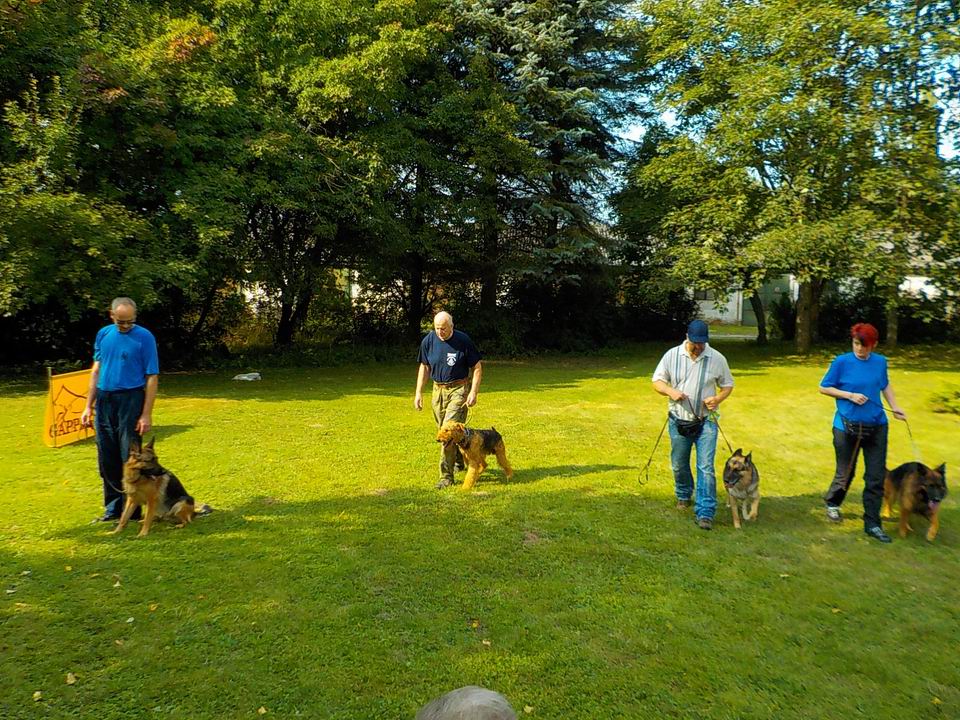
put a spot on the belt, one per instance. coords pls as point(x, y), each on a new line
point(455, 383)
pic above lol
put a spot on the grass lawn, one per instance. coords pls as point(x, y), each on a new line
point(333, 581)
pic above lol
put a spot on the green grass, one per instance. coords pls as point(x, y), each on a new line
point(720, 331)
point(333, 581)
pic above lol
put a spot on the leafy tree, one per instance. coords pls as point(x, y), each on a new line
point(803, 98)
point(55, 242)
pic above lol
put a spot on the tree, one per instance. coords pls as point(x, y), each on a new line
point(797, 95)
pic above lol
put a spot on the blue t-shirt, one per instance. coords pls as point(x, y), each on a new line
point(449, 360)
point(869, 377)
point(125, 358)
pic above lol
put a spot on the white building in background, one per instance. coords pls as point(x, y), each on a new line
point(737, 309)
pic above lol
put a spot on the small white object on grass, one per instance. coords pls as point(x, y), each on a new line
point(247, 376)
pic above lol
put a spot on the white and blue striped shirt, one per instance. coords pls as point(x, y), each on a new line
point(698, 379)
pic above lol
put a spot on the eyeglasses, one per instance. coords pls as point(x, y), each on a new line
point(125, 323)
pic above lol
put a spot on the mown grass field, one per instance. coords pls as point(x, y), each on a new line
point(333, 581)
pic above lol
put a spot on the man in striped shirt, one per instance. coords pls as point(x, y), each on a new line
point(697, 379)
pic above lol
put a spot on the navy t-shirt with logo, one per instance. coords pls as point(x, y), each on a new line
point(449, 360)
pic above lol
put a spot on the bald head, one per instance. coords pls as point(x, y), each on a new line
point(443, 325)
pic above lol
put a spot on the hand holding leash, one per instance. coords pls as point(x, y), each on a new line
point(858, 398)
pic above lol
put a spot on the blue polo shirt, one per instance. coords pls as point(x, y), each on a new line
point(125, 358)
point(449, 360)
point(869, 377)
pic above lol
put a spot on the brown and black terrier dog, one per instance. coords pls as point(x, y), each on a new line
point(147, 482)
point(917, 489)
point(475, 445)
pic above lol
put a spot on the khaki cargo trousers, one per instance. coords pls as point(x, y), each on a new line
point(449, 403)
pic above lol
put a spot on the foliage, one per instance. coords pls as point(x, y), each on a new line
point(811, 108)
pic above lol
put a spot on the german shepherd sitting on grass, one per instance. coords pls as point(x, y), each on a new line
point(147, 482)
point(918, 490)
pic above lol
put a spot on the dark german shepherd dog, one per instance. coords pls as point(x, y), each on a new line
point(916, 489)
point(147, 482)
point(742, 481)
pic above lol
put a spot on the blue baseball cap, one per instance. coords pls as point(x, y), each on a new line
point(698, 332)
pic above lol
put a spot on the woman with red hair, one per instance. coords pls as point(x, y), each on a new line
point(857, 380)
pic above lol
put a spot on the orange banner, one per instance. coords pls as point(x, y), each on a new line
point(65, 403)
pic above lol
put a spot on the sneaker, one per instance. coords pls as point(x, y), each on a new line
point(705, 523)
point(445, 482)
point(877, 533)
point(683, 504)
point(833, 514)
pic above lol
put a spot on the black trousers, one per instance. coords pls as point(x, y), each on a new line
point(874, 451)
point(116, 419)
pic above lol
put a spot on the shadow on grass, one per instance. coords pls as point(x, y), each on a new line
point(409, 593)
point(535, 474)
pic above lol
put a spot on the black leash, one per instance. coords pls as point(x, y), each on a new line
point(644, 476)
point(729, 446)
point(916, 450)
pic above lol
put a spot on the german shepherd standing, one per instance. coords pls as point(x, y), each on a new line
point(916, 489)
point(147, 482)
point(742, 481)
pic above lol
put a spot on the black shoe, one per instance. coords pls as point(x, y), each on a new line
point(877, 533)
point(446, 482)
point(704, 523)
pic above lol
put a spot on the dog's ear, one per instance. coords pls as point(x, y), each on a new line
point(738, 451)
point(152, 440)
point(942, 470)
point(750, 458)
point(134, 449)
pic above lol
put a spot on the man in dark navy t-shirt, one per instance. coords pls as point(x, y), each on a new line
point(449, 357)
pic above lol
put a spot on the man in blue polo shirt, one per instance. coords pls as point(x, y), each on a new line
point(449, 357)
point(123, 384)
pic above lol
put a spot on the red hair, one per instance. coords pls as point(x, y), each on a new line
point(866, 333)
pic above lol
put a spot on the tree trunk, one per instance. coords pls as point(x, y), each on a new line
point(415, 298)
point(756, 302)
point(808, 312)
point(417, 261)
point(893, 322)
point(491, 276)
point(284, 336)
point(194, 336)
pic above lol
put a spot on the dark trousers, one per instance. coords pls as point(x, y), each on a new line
point(874, 451)
point(117, 415)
